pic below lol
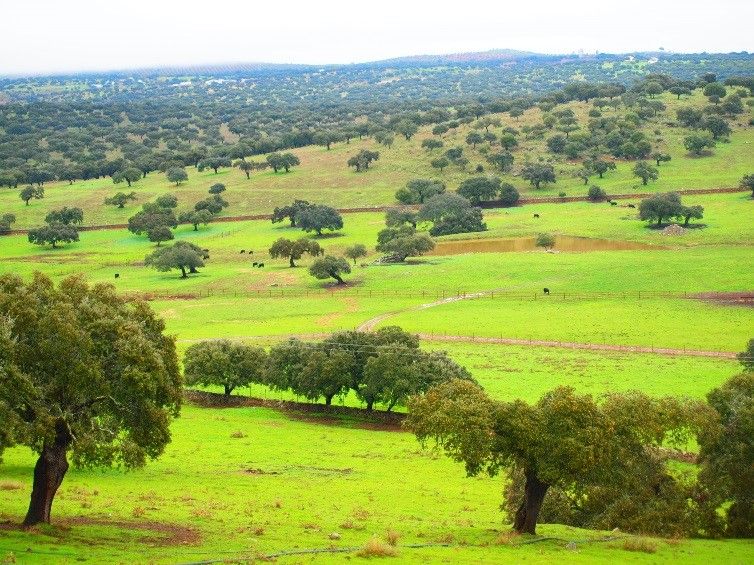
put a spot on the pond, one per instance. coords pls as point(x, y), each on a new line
point(562, 243)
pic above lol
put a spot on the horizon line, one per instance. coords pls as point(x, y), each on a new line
point(512, 53)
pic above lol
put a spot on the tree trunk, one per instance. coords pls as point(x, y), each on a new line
point(328, 399)
point(183, 272)
point(370, 405)
point(49, 471)
point(228, 389)
point(248, 175)
point(534, 494)
point(290, 260)
point(336, 276)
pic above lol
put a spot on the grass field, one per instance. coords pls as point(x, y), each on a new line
point(242, 483)
point(324, 177)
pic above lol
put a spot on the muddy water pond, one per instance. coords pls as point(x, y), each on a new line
point(562, 243)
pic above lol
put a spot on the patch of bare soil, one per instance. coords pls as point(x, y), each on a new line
point(742, 298)
point(305, 412)
point(673, 229)
point(156, 534)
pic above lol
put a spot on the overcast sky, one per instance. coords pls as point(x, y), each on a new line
point(44, 36)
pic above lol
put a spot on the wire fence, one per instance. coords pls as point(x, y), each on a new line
point(742, 297)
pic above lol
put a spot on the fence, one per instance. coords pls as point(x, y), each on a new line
point(743, 297)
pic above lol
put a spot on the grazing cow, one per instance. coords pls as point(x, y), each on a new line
point(547, 290)
point(613, 203)
point(250, 252)
point(254, 264)
point(260, 265)
point(243, 251)
point(632, 205)
point(117, 275)
point(536, 215)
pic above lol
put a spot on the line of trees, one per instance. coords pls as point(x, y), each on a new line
point(381, 368)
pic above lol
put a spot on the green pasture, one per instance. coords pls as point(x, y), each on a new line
point(229, 297)
point(323, 176)
point(238, 483)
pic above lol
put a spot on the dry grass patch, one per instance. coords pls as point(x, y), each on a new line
point(375, 547)
point(642, 545)
point(392, 537)
point(507, 538)
point(11, 485)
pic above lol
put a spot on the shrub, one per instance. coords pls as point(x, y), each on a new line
point(596, 194)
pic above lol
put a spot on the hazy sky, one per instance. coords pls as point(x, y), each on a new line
point(41, 36)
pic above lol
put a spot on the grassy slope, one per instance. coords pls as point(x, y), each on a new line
point(200, 480)
point(324, 177)
point(318, 479)
point(715, 258)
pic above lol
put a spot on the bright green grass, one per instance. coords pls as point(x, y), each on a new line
point(674, 323)
point(324, 177)
point(237, 300)
point(508, 372)
point(328, 475)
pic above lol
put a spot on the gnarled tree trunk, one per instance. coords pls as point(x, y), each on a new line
point(49, 472)
point(528, 513)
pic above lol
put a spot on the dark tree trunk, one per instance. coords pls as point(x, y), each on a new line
point(370, 405)
point(248, 175)
point(49, 472)
point(291, 261)
point(228, 389)
point(336, 276)
point(183, 272)
point(534, 494)
point(328, 399)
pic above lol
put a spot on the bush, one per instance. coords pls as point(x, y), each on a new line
point(596, 194)
point(546, 240)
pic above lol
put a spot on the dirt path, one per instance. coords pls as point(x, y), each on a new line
point(369, 325)
point(574, 345)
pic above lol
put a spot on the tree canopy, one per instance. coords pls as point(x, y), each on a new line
point(82, 370)
point(294, 250)
point(565, 441)
point(417, 191)
point(177, 257)
point(330, 267)
point(318, 217)
point(224, 363)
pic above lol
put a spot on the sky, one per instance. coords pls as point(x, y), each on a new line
point(53, 36)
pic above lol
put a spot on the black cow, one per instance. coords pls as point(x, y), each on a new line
point(632, 205)
point(260, 265)
point(254, 264)
point(536, 215)
point(547, 290)
point(117, 275)
point(243, 251)
point(613, 203)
